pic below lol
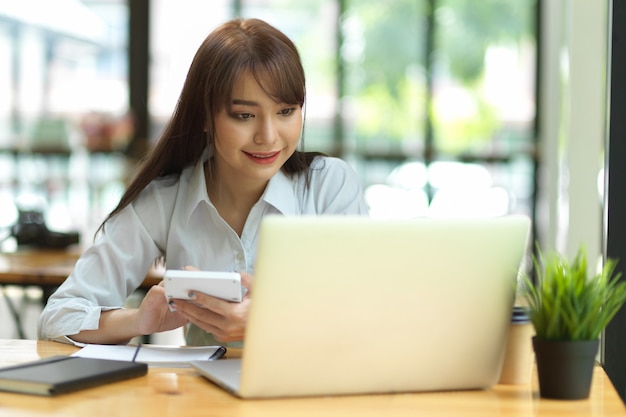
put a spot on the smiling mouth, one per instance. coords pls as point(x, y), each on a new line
point(263, 157)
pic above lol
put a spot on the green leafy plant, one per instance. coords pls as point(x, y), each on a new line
point(566, 304)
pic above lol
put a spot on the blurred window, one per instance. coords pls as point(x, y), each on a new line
point(443, 81)
point(389, 83)
point(178, 27)
point(63, 78)
point(61, 59)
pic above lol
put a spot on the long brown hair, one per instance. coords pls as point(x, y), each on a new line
point(236, 46)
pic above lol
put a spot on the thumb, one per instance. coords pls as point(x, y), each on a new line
point(190, 268)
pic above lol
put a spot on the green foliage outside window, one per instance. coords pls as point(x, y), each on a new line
point(388, 81)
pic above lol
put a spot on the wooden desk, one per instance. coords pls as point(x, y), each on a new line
point(182, 392)
point(46, 268)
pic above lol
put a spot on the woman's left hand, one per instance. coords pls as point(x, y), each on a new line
point(224, 319)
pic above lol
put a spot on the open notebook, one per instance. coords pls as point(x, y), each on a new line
point(354, 305)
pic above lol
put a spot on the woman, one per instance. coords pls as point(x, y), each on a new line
point(226, 159)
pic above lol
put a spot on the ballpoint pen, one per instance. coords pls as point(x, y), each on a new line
point(136, 351)
point(219, 352)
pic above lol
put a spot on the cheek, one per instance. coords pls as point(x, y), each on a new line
point(228, 135)
point(223, 129)
point(294, 131)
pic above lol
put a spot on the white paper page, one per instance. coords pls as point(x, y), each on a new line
point(153, 355)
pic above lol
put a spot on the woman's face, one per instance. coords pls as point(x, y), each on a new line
point(255, 135)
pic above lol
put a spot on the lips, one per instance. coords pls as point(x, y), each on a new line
point(263, 157)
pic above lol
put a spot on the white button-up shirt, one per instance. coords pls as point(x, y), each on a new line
point(174, 217)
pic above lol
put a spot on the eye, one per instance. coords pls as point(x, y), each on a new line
point(287, 111)
point(242, 116)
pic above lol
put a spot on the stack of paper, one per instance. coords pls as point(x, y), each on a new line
point(153, 355)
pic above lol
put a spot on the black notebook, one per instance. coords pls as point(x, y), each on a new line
point(61, 374)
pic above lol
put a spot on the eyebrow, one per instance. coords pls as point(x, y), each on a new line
point(245, 102)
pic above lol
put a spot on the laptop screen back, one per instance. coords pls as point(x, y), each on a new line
point(352, 305)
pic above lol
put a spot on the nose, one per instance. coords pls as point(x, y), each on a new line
point(266, 131)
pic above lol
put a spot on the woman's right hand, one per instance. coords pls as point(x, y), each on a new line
point(120, 325)
point(154, 314)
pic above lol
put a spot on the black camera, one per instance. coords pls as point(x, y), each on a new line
point(31, 230)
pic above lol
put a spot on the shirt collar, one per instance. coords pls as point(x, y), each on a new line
point(279, 193)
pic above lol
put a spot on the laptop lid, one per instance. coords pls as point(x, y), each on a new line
point(354, 305)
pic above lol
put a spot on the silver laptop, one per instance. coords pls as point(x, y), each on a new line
point(354, 305)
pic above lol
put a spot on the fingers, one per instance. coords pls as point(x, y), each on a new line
point(226, 320)
point(212, 303)
point(204, 318)
point(225, 329)
point(246, 280)
point(154, 315)
point(190, 268)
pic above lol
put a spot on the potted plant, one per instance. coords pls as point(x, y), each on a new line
point(569, 310)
